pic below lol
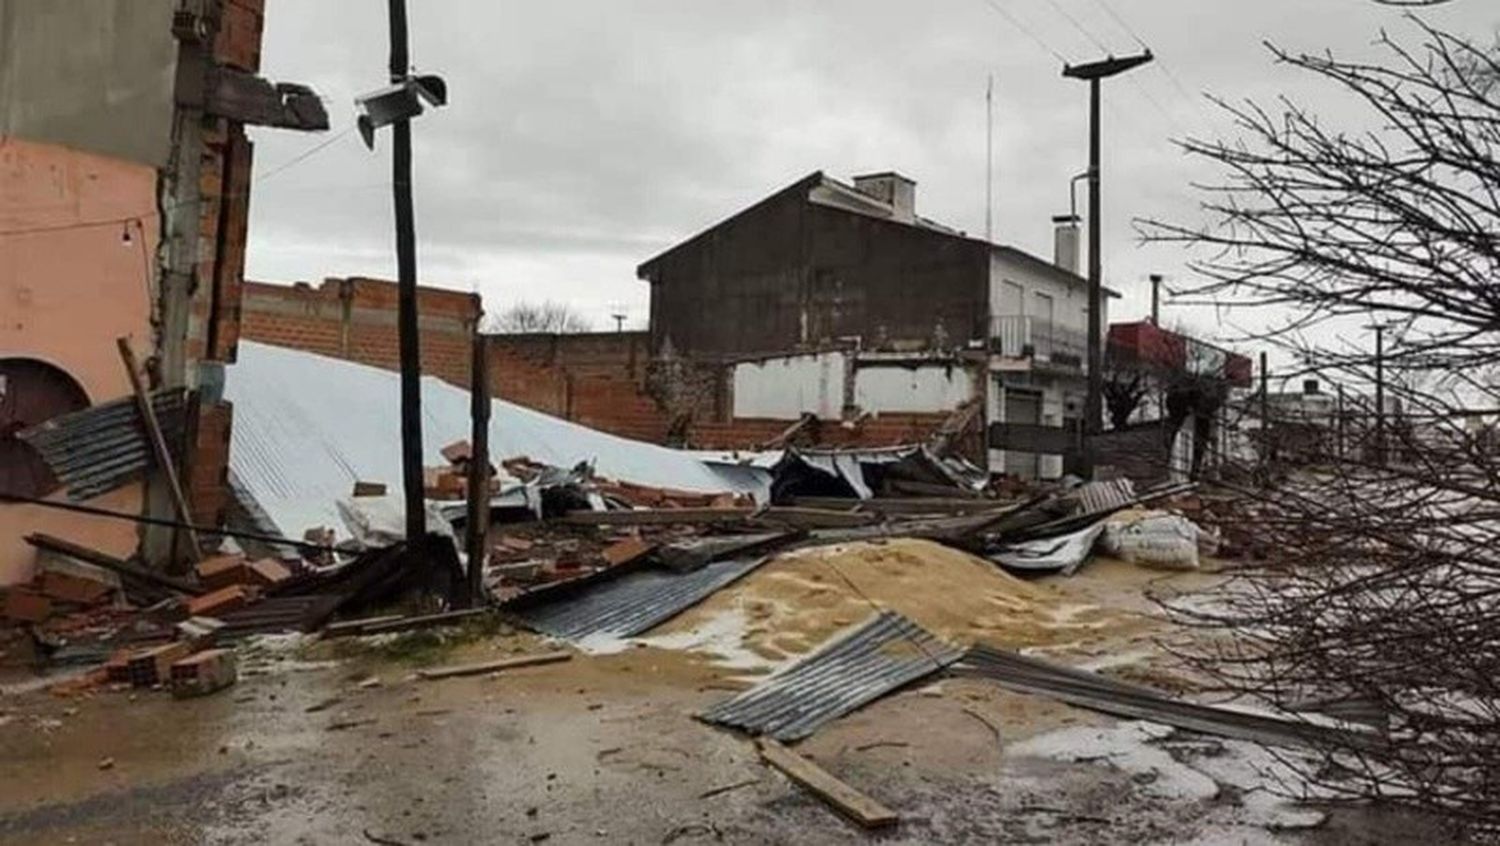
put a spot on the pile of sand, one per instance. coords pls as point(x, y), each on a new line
point(793, 604)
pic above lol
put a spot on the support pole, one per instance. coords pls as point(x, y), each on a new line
point(1380, 395)
point(159, 450)
point(406, 294)
point(1093, 408)
point(1265, 413)
point(479, 468)
point(1093, 405)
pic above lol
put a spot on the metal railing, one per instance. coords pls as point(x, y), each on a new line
point(1024, 336)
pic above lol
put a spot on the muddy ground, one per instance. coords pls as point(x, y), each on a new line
point(306, 749)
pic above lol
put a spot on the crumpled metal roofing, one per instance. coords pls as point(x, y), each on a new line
point(856, 667)
point(632, 603)
point(98, 449)
point(306, 427)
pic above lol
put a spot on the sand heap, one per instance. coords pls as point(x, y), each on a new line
point(794, 603)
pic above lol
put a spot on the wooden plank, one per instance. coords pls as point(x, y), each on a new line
point(802, 517)
point(109, 562)
point(844, 799)
point(647, 516)
point(493, 666)
point(399, 623)
point(906, 505)
point(159, 446)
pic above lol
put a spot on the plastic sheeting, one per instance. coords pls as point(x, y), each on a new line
point(307, 427)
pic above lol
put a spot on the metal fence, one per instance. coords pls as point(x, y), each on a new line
point(1024, 336)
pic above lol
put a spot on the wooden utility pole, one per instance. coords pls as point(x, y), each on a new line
point(1093, 406)
point(1265, 412)
point(406, 293)
point(479, 467)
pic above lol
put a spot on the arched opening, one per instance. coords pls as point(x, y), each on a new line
point(31, 392)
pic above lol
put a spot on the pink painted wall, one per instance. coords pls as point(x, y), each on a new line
point(78, 236)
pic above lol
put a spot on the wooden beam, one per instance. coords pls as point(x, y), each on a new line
point(109, 562)
point(159, 446)
point(494, 666)
point(844, 799)
point(801, 517)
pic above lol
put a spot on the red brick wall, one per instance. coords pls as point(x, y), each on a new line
point(884, 430)
point(597, 379)
point(355, 319)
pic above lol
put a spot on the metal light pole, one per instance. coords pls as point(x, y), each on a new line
point(1093, 407)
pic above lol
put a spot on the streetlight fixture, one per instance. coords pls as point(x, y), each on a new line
point(1093, 410)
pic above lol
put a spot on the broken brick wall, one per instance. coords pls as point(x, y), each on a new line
point(355, 319)
point(604, 380)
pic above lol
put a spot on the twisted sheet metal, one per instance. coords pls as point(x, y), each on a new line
point(98, 449)
point(884, 653)
point(634, 602)
point(1122, 699)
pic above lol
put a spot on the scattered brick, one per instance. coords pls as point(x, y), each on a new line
point(152, 666)
point(221, 571)
point(204, 673)
point(221, 601)
point(369, 489)
point(458, 452)
point(26, 605)
point(268, 572)
point(625, 551)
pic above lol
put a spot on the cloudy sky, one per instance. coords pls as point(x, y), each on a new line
point(584, 137)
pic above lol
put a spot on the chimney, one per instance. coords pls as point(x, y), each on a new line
point(1156, 299)
point(1065, 242)
point(894, 190)
point(1310, 386)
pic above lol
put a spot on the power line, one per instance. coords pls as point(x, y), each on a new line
point(111, 221)
point(1057, 7)
point(1121, 22)
point(1164, 67)
point(1025, 30)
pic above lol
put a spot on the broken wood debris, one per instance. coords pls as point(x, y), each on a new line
point(853, 804)
point(483, 667)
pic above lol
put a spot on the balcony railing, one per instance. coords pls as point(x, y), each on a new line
point(1023, 336)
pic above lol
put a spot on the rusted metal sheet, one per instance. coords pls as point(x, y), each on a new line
point(633, 602)
point(856, 667)
point(31, 392)
point(98, 449)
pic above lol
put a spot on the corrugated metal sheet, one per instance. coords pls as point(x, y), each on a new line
point(856, 667)
point(277, 614)
point(307, 427)
point(1122, 699)
point(96, 450)
point(1106, 496)
point(634, 602)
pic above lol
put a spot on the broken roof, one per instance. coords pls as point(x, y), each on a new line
point(307, 427)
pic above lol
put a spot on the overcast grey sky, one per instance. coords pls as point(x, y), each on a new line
point(584, 137)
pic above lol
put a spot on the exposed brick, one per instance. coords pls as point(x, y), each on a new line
point(625, 551)
point(26, 605)
point(221, 601)
point(208, 671)
point(268, 572)
point(221, 571)
point(153, 665)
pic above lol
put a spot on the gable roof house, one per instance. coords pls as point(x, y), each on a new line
point(824, 264)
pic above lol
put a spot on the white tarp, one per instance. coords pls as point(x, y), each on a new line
point(306, 427)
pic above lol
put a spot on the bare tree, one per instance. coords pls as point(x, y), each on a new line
point(1381, 590)
point(547, 317)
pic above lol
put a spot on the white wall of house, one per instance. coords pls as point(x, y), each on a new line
point(1054, 394)
point(787, 387)
point(936, 387)
point(1019, 289)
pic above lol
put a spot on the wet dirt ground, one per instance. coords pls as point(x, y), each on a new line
point(600, 749)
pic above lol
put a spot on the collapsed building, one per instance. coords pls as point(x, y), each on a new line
point(125, 172)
